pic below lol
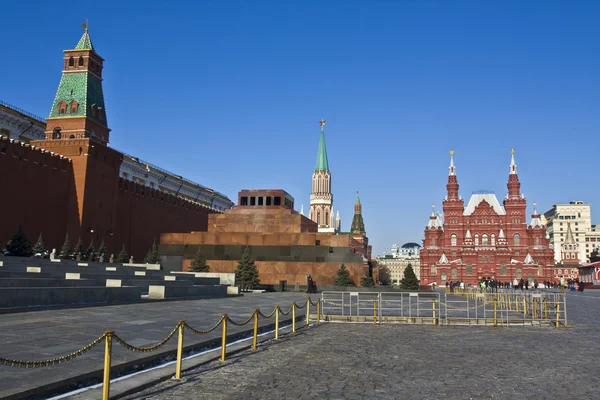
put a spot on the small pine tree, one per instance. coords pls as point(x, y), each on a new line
point(385, 277)
point(343, 277)
point(246, 273)
point(409, 281)
point(366, 281)
point(90, 252)
point(39, 247)
point(19, 245)
point(66, 252)
point(79, 249)
point(198, 264)
point(102, 250)
point(122, 257)
point(152, 257)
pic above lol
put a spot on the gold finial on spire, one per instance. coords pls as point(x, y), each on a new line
point(534, 204)
point(451, 152)
point(85, 24)
point(322, 123)
point(433, 206)
point(512, 150)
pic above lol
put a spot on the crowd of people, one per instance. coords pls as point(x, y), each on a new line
point(492, 284)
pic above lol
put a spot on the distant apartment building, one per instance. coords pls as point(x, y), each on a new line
point(397, 258)
point(578, 214)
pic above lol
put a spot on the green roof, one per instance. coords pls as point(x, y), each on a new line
point(322, 163)
point(85, 43)
point(358, 225)
point(86, 90)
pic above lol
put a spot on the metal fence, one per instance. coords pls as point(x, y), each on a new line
point(506, 308)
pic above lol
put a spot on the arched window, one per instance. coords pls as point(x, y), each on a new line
point(537, 241)
point(454, 273)
point(568, 256)
point(517, 239)
point(318, 217)
point(444, 277)
point(493, 239)
point(326, 222)
point(484, 239)
point(74, 107)
point(62, 107)
point(519, 273)
point(469, 269)
point(71, 136)
point(477, 239)
point(453, 240)
point(56, 133)
point(433, 270)
point(71, 61)
point(81, 61)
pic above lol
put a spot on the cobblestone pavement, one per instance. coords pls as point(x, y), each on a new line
point(364, 361)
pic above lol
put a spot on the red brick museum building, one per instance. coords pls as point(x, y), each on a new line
point(485, 239)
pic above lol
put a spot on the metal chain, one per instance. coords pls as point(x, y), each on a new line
point(267, 316)
point(302, 306)
point(242, 323)
point(314, 304)
point(52, 361)
point(285, 313)
point(149, 348)
point(197, 332)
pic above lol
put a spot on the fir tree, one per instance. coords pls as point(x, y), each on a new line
point(343, 277)
point(385, 277)
point(366, 281)
point(90, 252)
point(246, 273)
point(102, 250)
point(409, 281)
point(152, 257)
point(122, 257)
point(66, 253)
point(19, 245)
point(79, 249)
point(199, 263)
point(39, 247)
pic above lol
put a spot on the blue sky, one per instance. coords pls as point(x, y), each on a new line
point(229, 94)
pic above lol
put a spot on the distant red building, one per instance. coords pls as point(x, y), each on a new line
point(485, 239)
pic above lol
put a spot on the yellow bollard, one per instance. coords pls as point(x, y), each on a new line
point(524, 306)
point(179, 351)
point(107, 360)
point(318, 310)
point(534, 308)
point(276, 322)
point(255, 336)
point(224, 338)
point(374, 311)
point(495, 320)
point(433, 311)
point(516, 303)
point(545, 308)
point(557, 314)
point(294, 317)
point(307, 311)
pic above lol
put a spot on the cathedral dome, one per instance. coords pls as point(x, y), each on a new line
point(410, 245)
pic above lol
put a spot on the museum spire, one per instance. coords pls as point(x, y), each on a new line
point(322, 163)
point(452, 185)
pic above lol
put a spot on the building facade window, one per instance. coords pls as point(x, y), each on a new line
point(517, 239)
point(469, 269)
point(433, 270)
point(454, 273)
point(484, 239)
point(503, 269)
point(444, 277)
point(453, 240)
point(493, 239)
point(476, 239)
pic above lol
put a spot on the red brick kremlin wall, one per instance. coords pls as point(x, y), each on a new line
point(82, 193)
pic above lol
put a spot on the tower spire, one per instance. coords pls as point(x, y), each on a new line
point(358, 225)
point(322, 162)
point(514, 186)
point(452, 185)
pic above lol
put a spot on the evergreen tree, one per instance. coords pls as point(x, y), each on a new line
point(385, 277)
point(122, 257)
point(343, 277)
point(19, 245)
point(66, 253)
point(102, 250)
point(152, 257)
point(39, 247)
point(410, 279)
point(246, 273)
point(90, 252)
point(79, 249)
point(199, 263)
point(366, 281)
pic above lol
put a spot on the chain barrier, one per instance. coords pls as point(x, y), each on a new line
point(302, 306)
point(285, 313)
point(242, 323)
point(148, 349)
point(197, 332)
point(52, 361)
point(269, 315)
